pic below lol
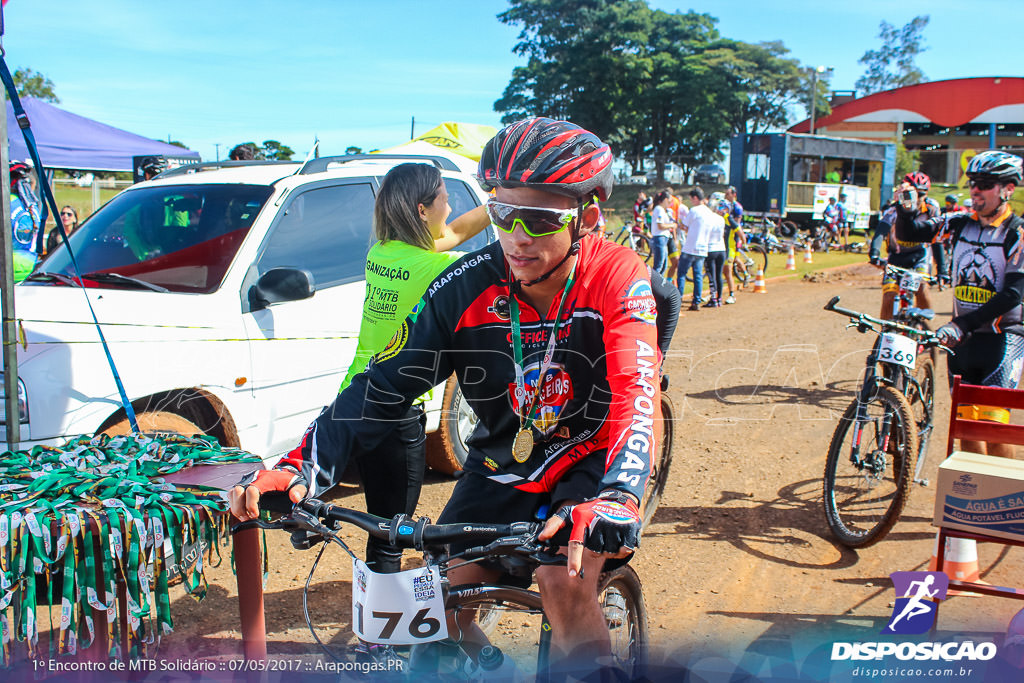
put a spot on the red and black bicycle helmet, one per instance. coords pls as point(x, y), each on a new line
point(997, 166)
point(919, 180)
point(18, 171)
point(545, 154)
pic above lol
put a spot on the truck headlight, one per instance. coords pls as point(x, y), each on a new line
point(22, 402)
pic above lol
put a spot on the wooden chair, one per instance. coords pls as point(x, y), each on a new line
point(981, 430)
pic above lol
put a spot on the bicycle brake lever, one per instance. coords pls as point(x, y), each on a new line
point(256, 524)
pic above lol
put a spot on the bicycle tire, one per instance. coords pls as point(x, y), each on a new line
point(760, 257)
point(922, 403)
point(660, 468)
point(621, 597)
point(861, 506)
point(626, 618)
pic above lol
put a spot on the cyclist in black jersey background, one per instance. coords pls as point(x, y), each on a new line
point(986, 332)
point(911, 202)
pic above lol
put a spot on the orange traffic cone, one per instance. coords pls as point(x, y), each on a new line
point(807, 254)
point(759, 287)
point(960, 563)
point(791, 259)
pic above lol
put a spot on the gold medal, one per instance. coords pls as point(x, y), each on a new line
point(522, 447)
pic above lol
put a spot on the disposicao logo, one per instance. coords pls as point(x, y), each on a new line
point(914, 611)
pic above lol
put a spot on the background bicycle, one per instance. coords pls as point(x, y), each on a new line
point(874, 447)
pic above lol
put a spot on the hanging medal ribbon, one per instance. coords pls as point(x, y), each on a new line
point(522, 446)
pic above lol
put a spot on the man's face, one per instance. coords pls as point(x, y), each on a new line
point(986, 197)
point(694, 200)
point(531, 257)
point(730, 195)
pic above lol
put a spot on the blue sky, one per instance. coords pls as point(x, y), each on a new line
point(354, 72)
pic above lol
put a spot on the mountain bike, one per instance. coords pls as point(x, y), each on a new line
point(397, 619)
point(871, 458)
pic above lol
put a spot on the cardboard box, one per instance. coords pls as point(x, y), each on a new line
point(981, 493)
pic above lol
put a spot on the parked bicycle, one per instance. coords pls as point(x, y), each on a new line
point(389, 618)
point(879, 436)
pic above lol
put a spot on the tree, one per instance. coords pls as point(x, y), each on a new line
point(892, 65)
point(34, 84)
point(651, 84)
point(275, 151)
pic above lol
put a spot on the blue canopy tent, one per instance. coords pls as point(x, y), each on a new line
point(71, 141)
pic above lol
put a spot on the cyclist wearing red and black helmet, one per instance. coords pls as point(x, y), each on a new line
point(26, 221)
point(986, 332)
point(911, 200)
point(551, 332)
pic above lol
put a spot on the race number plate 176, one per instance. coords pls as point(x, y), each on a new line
point(397, 609)
point(895, 348)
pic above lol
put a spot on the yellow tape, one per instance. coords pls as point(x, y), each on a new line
point(986, 413)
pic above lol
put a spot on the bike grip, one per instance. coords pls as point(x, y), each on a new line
point(831, 305)
point(276, 501)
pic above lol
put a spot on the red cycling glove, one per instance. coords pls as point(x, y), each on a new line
point(267, 481)
point(605, 524)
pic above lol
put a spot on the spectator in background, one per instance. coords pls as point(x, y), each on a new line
point(69, 218)
point(663, 226)
point(844, 222)
point(25, 222)
point(715, 260)
point(695, 246)
point(243, 152)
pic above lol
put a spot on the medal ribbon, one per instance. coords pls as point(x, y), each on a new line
point(526, 418)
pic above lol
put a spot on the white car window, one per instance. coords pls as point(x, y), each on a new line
point(327, 231)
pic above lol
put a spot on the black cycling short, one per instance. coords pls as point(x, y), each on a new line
point(478, 499)
point(987, 359)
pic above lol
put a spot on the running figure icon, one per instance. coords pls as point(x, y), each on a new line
point(914, 606)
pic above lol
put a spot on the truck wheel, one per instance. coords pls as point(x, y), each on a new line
point(457, 422)
point(155, 421)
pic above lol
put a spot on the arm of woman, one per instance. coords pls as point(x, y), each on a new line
point(461, 229)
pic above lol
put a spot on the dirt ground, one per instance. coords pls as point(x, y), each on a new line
point(739, 556)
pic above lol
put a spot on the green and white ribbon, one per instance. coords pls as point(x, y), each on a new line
point(58, 505)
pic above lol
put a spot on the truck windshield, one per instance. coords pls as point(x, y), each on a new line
point(181, 237)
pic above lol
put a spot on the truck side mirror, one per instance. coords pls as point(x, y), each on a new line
point(278, 285)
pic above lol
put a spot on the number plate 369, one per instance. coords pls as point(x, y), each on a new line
point(895, 348)
point(397, 609)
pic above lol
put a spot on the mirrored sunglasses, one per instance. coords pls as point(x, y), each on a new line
point(535, 221)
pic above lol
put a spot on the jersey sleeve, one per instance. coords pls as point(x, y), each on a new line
point(630, 338)
point(362, 415)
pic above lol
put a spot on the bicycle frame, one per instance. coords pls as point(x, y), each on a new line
point(893, 374)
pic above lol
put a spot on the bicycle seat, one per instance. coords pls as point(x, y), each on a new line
point(923, 313)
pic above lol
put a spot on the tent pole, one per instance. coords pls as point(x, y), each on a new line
point(10, 349)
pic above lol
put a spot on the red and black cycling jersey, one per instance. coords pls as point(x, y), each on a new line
point(600, 397)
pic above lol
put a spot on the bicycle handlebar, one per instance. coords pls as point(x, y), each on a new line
point(897, 270)
point(311, 514)
point(863, 320)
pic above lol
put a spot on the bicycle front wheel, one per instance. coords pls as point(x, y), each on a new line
point(759, 255)
point(622, 600)
point(869, 467)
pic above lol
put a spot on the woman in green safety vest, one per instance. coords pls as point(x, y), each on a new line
point(413, 239)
